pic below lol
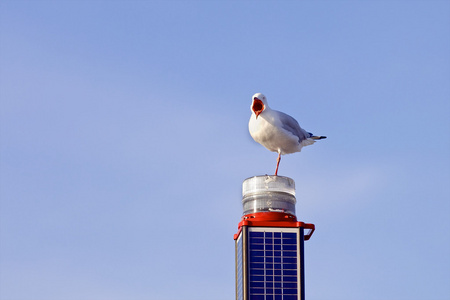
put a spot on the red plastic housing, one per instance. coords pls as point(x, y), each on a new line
point(274, 219)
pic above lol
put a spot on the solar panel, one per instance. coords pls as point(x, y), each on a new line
point(239, 271)
point(273, 263)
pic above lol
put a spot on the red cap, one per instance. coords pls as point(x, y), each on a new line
point(274, 219)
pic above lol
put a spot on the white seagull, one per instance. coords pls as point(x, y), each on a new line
point(277, 131)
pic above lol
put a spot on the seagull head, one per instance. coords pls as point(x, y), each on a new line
point(259, 104)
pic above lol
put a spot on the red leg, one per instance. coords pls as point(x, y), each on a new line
point(278, 163)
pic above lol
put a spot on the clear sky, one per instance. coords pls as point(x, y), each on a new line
point(124, 144)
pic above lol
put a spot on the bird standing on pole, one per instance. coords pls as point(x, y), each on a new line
point(277, 131)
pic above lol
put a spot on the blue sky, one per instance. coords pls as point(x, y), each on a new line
point(124, 144)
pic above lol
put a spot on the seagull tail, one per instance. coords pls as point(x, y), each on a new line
point(320, 137)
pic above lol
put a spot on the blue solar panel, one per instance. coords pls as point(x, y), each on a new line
point(240, 273)
point(273, 265)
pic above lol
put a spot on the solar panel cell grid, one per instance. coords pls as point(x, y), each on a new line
point(273, 265)
point(240, 292)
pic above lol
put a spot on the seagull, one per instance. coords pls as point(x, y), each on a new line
point(277, 131)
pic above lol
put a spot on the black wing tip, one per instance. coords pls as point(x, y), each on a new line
point(321, 137)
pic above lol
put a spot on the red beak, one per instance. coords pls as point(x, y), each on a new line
point(257, 107)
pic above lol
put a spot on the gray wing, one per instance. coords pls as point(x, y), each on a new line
point(290, 124)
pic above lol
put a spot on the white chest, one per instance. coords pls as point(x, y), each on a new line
point(272, 136)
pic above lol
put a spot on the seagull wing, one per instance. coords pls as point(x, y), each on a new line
point(291, 125)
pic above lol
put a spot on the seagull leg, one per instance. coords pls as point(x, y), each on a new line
point(278, 163)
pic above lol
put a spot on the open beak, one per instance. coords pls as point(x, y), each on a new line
point(257, 107)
